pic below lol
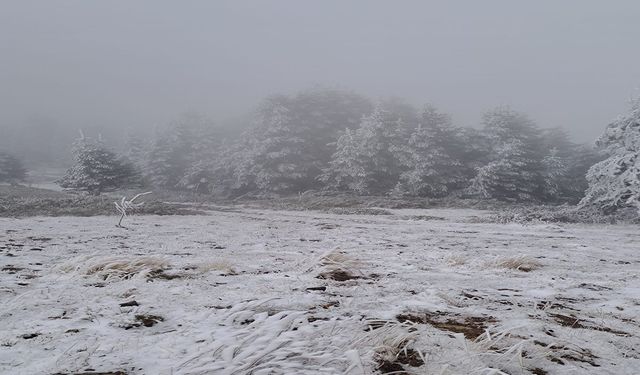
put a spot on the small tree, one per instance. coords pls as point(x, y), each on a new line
point(11, 169)
point(96, 169)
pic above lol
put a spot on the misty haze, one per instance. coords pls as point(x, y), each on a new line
point(329, 187)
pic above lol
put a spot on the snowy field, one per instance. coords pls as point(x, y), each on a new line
point(245, 291)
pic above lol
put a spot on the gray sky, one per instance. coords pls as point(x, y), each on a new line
point(570, 63)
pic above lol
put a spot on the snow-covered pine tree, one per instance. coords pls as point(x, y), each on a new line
point(514, 171)
point(575, 184)
point(176, 150)
point(200, 176)
point(136, 149)
point(614, 183)
point(96, 169)
point(293, 139)
point(430, 167)
point(365, 161)
point(274, 152)
point(11, 169)
point(554, 171)
point(565, 166)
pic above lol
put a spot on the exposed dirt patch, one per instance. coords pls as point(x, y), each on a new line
point(559, 354)
point(594, 287)
point(388, 367)
point(144, 320)
point(470, 326)
point(573, 322)
point(410, 357)
point(11, 269)
point(338, 275)
point(29, 336)
point(316, 288)
point(161, 274)
point(149, 320)
point(538, 371)
point(567, 321)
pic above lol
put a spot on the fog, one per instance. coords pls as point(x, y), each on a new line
point(119, 65)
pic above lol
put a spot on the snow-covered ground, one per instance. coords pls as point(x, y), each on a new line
point(237, 292)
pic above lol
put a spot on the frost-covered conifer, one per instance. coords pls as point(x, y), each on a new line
point(136, 149)
point(96, 169)
point(205, 158)
point(365, 161)
point(554, 170)
point(179, 156)
point(514, 170)
point(431, 169)
point(615, 182)
point(273, 152)
point(293, 139)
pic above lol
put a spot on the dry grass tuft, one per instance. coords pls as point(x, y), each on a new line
point(126, 267)
point(457, 260)
point(337, 259)
point(222, 266)
point(520, 263)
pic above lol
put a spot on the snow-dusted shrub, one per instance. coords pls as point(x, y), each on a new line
point(614, 183)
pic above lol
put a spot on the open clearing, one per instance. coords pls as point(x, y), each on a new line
point(243, 291)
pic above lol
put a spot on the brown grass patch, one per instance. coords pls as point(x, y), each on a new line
point(470, 326)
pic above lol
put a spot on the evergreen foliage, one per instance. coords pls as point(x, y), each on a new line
point(431, 167)
point(96, 169)
point(293, 140)
point(515, 168)
point(614, 183)
point(365, 161)
point(180, 157)
point(337, 140)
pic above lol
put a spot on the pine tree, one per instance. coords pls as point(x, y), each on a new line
point(136, 149)
point(275, 152)
point(554, 171)
point(365, 161)
point(200, 176)
point(96, 169)
point(614, 183)
point(11, 169)
point(431, 169)
point(514, 171)
point(293, 140)
point(180, 151)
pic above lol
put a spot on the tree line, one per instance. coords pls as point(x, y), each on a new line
point(342, 141)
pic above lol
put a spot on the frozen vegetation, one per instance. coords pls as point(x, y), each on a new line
point(252, 291)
